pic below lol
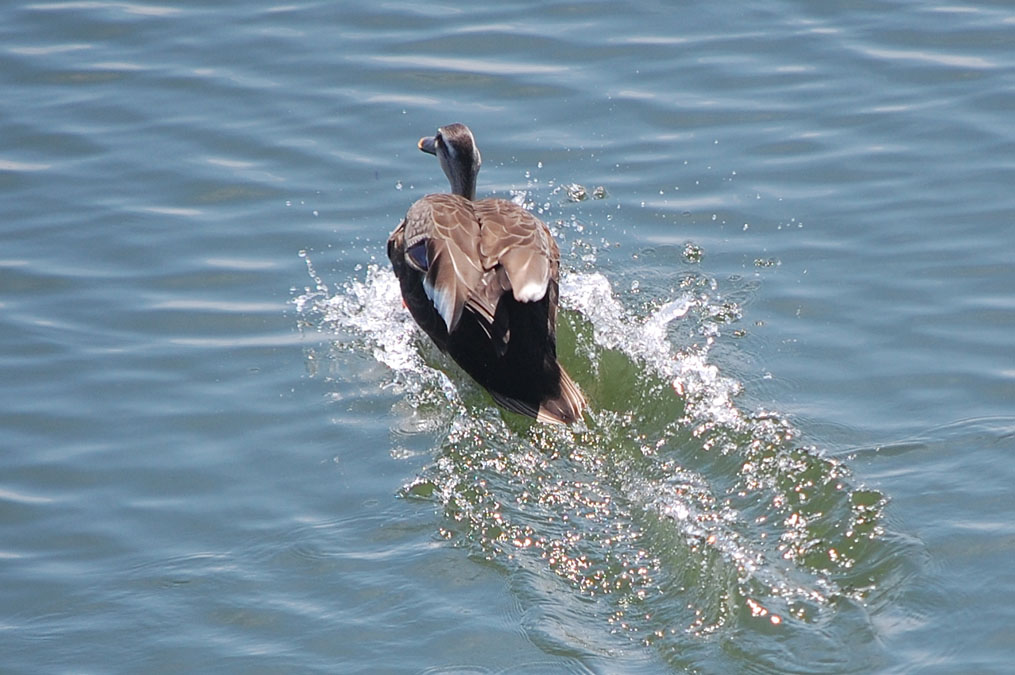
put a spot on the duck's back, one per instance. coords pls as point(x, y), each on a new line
point(434, 254)
point(480, 278)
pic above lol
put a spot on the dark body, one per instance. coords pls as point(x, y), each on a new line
point(480, 277)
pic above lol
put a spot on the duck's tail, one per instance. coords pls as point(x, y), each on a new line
point(567, 407)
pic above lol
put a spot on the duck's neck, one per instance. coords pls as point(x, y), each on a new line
point(464, 186)
point(461, 175)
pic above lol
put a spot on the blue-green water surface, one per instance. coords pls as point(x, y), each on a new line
point(787, 234)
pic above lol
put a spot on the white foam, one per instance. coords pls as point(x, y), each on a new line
point(709, 394)
point(370, 310)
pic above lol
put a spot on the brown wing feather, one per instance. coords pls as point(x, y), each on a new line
point(519, 242)
point(451, 231)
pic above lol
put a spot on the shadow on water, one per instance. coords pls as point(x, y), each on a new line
point(672, 520)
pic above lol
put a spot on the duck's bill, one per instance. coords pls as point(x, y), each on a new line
point(428, 144)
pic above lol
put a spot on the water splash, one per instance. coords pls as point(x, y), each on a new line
point(673, 513)
point(368, 315)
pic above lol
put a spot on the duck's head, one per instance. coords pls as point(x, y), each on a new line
point(456, 149)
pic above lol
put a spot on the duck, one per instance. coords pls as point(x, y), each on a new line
point(480, 278)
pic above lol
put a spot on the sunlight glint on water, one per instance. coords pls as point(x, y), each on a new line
point(673, 511)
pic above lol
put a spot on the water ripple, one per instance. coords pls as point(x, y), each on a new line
point(675, 513)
